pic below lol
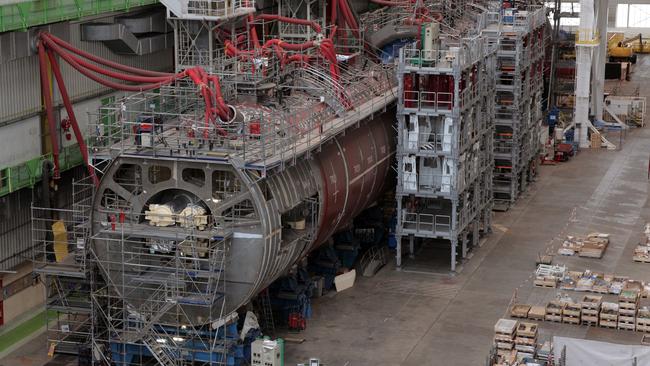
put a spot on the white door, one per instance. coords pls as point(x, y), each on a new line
point(447, 175)
point(409, 173)
point(447, 134)
point(413, 132)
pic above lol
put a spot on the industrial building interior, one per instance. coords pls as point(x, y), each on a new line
point(324, 182)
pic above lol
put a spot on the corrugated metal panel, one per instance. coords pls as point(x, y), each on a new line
point(19, 88)
point(20, 85)
point(15, 230)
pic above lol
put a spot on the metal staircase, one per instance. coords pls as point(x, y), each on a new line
point(160, 350)
point(151, 312)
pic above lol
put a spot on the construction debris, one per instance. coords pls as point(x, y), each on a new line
point(592, 246)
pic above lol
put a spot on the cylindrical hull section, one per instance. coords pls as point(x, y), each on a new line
point(334, 186)
point(353, 171)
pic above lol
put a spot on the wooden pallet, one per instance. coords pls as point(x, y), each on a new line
point(553, 318)
point(608, 324)
point(641, 259)
point(592, 322)
point(571, 320)
point(642, 328)
point(608, 317)
point(520, 311)
point(626, 325)
point(537, 313)
point(546, 283)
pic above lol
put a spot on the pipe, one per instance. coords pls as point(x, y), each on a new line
point(73, 119)
point(49, 109)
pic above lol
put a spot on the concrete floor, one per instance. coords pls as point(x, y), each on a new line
point(400, 318)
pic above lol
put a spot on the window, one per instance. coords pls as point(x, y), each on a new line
point(633, 16)
point(639, 16)
point(570, 13)
point(621, 15)
point(570, 22)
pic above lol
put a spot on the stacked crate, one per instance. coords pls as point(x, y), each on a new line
point(643, 318)
point(504, 336)
point(608, 315)
point(590, 308)
point(571, 313)
point(526, 340)
point(554, 311)
point(628, 302)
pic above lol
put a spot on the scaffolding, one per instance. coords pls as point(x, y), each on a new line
point(444, 151)
point(521, 39)
point(169, 122)
point(133, 280)
point(60, 238)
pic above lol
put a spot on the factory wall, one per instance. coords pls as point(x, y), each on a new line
point(20, 99)
point(29, 299)
point(20, 141)
point(21, 128)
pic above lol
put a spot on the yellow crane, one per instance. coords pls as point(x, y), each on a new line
point(619, 50)
point(625, 49)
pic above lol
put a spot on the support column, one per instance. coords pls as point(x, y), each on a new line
point(454, 245)
point(398, 252)
point(587, 42)
point(411, 246)
point(600, 58)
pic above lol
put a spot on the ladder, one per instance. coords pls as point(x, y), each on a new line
point(266, 312)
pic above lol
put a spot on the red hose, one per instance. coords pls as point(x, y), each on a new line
point(390, 3)
point(315, 26)
point(90, 75)
point(99, 60)
point(253, 31)
point(150, 81)
point(126, 77)
point(73, 119)
point(49, 110)
point(349, 17)
point(333, 12)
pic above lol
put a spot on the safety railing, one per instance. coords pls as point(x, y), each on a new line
point(517, 20)
point(428, 101)
point(538, 15)
point(503, 148)
point(427, 142)
point(427, 183)
point(434, 59)
point(27, 174)
point(421, 223)
point(171, 122)
point(209, 9)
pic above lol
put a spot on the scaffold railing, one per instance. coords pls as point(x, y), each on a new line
point(171, 122)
